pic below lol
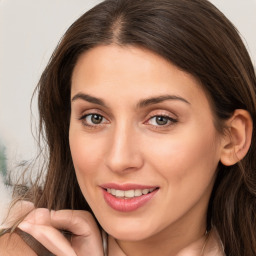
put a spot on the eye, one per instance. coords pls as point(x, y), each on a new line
point(161, 120)
point(93, 119)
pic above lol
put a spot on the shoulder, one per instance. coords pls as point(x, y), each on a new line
point(214, 245)
point(13, 245)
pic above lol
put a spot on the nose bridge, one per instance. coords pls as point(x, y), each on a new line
point(124, 153)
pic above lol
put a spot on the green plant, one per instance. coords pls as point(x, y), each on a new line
point(3, 169)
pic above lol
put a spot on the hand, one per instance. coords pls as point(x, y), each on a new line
point(45, 226)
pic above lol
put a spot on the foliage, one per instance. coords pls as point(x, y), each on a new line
point(3, 166)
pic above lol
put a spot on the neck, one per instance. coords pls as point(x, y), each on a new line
point(117, 248)
point(191, 239)
point(207, 245)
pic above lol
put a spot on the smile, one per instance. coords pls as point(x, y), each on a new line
point(129, 197)
point(126, 194)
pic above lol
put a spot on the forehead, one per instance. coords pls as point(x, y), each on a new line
point(129, 72)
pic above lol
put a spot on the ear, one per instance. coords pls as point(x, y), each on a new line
point(237, 140)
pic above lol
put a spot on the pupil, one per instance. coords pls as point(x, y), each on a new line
point(96, 119)
point(161, 120)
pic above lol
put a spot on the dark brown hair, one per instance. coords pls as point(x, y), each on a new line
point(197, 38)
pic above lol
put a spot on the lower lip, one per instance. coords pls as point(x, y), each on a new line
point(127, 205)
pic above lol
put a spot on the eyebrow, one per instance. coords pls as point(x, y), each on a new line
point(155, 100)
point(141, 104)
point(89, 98)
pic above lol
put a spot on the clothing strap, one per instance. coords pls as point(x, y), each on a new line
point(104, 242)
point(37, 247)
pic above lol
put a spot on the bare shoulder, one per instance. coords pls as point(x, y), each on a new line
point(214, 245)
point(13, 245)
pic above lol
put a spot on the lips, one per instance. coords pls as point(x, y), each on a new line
point(127, 197)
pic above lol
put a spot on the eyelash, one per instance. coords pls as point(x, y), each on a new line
point(85, 123)
point(170, 121)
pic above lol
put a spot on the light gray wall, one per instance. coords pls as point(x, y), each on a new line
point(30, 30)
point(242, 14)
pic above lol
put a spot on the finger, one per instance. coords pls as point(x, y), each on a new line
point(87, 238)
point(80, 223)
point(20, 209)
point(38, 224)
point(40, 216)
point(49, 237)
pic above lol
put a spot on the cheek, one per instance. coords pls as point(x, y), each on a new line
point(187, 166)
point(85, 151)
point(86, 158)
point(186, 158)
point(87, 154)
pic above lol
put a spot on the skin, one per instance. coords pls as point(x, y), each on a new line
point(45, 226)
point(129, 146)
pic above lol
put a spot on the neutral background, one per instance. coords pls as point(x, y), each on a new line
point(29, 31)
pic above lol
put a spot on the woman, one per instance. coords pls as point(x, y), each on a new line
point(147, 108)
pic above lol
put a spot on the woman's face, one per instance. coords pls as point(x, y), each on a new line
point(143, 143)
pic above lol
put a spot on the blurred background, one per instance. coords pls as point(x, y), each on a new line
point(29, 31)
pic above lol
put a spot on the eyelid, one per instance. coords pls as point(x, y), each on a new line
point(172, 118)
point(161, 113)
point(90, 112)
point(165, 116)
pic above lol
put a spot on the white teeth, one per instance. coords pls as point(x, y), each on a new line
point(113, 192)
point(119, 193)
point(129, 193)
point(138, 192)
point(145, 191)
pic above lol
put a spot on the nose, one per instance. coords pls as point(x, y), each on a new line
point(124, 153)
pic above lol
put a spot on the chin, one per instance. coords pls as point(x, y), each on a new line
point(129, 232)
point(129, 235)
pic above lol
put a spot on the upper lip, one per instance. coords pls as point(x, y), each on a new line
point(127, 186)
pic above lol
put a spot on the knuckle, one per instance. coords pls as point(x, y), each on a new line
point(77, 220)
point(41, 216)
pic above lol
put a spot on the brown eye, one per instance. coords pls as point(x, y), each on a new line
point(95, 118)
point(161, 120)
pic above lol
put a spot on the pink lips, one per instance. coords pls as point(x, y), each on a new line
point(129, 204)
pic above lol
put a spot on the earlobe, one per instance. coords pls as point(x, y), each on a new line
point(236, 142)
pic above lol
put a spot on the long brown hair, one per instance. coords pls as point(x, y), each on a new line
point(198, 39)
